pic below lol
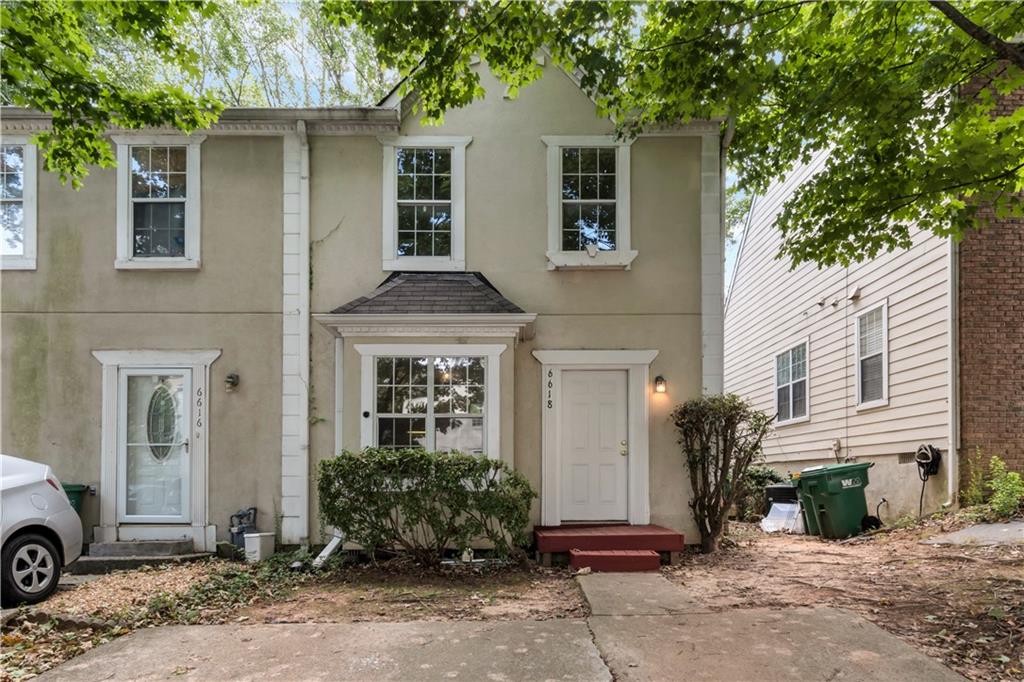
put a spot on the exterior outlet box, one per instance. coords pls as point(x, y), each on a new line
point(258, 546)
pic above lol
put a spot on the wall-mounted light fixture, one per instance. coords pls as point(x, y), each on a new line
point(231, 382)
point(660, 385)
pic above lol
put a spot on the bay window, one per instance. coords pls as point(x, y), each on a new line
point(435, 397)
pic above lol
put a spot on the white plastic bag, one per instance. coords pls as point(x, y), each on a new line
point(783, 517)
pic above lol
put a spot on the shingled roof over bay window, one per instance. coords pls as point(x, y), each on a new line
point(431, 303)
point(431, 293)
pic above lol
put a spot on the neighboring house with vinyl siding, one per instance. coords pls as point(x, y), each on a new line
point(873, 360)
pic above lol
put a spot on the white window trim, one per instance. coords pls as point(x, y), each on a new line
point(884, 400)
point(389, 218)
point(193, 205)
point(204, 535)
point(623, 255)
point(637, 364)
point(29, 201)
point(806, 343)
point(492, 391)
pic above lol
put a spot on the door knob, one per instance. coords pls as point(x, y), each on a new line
point(623, 448)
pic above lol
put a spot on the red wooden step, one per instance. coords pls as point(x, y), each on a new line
point(615, 560)
point(553, 539)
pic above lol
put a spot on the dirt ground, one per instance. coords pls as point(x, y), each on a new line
point(368, 594)
point(963, 605)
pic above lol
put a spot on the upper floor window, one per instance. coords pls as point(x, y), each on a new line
point(873, 357)
point(158, 208)
point(18, 203)
point(588, 202)
point(424, 203)
point(791, 384)
point(588, 198)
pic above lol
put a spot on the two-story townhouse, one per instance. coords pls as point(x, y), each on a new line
point(510, 283)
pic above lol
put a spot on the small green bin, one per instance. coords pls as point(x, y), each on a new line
point(75, 492)
point(833, 499)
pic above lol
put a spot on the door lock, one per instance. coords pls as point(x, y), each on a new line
point(623, 448)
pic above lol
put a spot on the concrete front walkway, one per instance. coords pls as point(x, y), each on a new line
point(649, 629)
point(642, 627)
point(466, 650)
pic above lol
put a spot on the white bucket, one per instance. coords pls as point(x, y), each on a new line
point(258, 546)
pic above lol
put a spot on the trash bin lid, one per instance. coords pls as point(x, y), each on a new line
point(829, 470)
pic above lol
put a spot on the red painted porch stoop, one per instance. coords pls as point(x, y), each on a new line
point(610, 548)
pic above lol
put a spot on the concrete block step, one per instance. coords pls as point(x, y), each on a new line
point(141, 548)
point(615, 560)
point(92, 565)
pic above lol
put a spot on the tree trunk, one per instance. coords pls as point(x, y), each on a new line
point(1003, 49)
point(709, 538)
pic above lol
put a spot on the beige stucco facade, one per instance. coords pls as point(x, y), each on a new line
point(75, 302)
point(309, 184)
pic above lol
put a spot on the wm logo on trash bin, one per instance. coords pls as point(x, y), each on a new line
point(850, 483)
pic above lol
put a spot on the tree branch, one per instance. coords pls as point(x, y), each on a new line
point(1005, 50)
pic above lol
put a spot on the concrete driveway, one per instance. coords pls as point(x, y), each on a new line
point(642, 628)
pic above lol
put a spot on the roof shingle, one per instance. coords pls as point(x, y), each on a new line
point(419, 293)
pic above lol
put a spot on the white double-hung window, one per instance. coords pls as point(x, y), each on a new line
point(438, 398)
point(424, 213)
point(18, 203)
point(873, 357)
point(588, 202)
point(791, 396)
point(158, 204)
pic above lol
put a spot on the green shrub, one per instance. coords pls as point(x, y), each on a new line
point(720, 436)
point(424, 502)
point(751, 503)
point(974, 492)
point(1007, 490)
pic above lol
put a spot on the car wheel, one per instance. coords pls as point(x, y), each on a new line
point(30, 570)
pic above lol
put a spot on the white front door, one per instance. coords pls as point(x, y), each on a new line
point(153, 435)
point(594, 445)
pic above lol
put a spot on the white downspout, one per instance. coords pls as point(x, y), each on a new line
point(953, 456)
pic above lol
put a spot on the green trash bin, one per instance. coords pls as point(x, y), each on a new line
point(833, 498)
point(75, 492)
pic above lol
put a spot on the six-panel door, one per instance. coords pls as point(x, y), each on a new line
point(594, 445)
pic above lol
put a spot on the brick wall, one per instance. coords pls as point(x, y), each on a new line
point(992, 335)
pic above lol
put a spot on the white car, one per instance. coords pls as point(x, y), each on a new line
point(39, 531)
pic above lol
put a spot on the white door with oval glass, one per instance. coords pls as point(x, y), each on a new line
point(594, 445)
point(154, 433)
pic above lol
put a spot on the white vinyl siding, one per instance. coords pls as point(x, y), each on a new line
point(771, 306)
